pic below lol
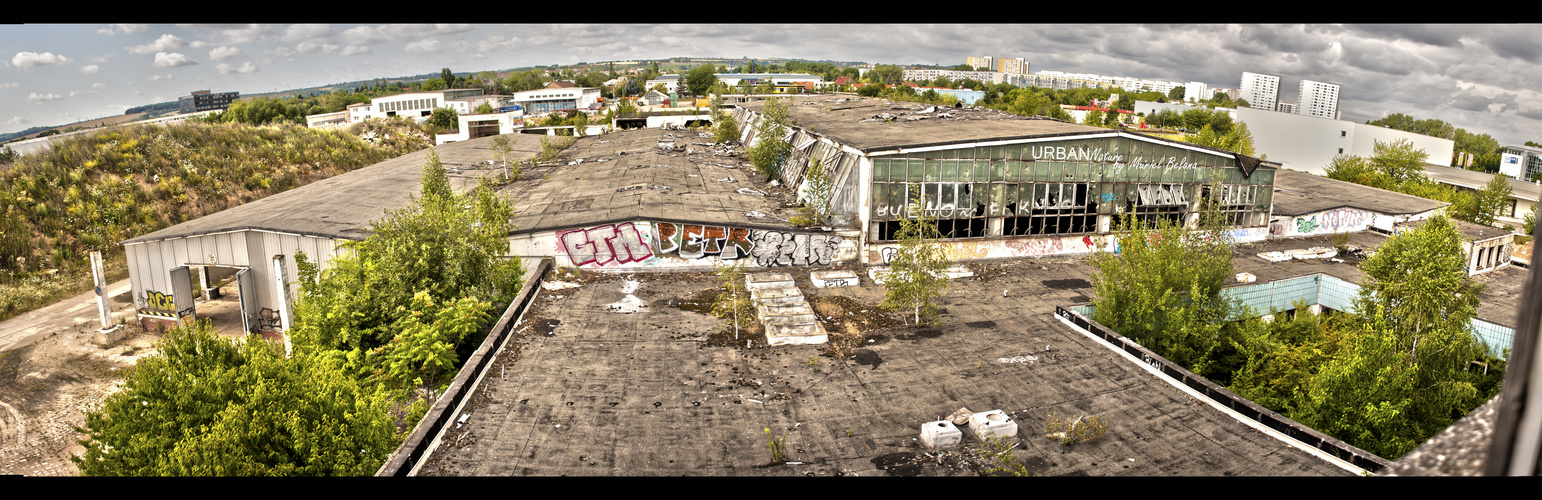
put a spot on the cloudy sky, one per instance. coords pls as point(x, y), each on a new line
point(1479, 77)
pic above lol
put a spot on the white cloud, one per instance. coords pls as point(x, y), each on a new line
point(36, 97)
point(355, 49)
point(245, 68)
point(17, 120)
point(74, 93)
point(160, 77)
point(124, 28)
point(7, 85)
point(98, 85)
point(307, 47)
point(30, 59)
point(365, 35)
point(428, 46)
point(101, 58)
point(164, 43)
point(306, 32)
point(90, 69)
point(223, 53)
point(249, 33)
point(171, 59)
point(281, 52)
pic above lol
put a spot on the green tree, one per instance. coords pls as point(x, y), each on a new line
point(725, 127)
point(1176, 93)
point(485, 108)
point(1237, 139)
point(210, 406)
point(1531, 221)
point(886, 74)
point(1163, 289)
point(770, 151)
point(915, 281)
point(1404, 375)
point(698, 81)
point(434, 84)
point(451, 245)
point(445, 118)
point(1398, 159)
point(1494, 197)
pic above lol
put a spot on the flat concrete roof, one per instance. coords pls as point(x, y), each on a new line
point(643, 394)
point(1301, 193)
point(1475, 180)
point(343, 206)
point(846, 119)
point(625, 176)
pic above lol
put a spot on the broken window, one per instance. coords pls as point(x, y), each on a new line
point(1149, 203)
point(1049, 208)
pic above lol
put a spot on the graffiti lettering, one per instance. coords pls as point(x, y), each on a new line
point(152, 302)
point(693, 241)
point(777, 248)
point(1018, 359)
point(1335, 220)
point(832, 283)
point(601, 245)
point(1034, 247)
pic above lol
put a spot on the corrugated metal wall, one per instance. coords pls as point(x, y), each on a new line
point(150, 262)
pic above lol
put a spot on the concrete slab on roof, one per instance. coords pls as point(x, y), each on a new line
point(343, 206)
point(642, 394)
point(625, 177)
point(1470, 231)
point(1478, 180)
point(1301, 193)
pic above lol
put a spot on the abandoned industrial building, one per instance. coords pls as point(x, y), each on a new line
point(1000, 186)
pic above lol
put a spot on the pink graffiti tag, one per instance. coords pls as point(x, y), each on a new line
point(605, 244)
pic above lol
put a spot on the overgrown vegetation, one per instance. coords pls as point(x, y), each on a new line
point(1399, 166)
point(89, 192)
point(914, 281)
point(816, 196)
point(734, 304)
point(770, 151)
point(1084, 429)
point(210, 406)
point(1398, 369)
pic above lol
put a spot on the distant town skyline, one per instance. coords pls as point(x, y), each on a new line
point(1477, 77)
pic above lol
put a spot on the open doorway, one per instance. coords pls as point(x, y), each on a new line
point(228, 299)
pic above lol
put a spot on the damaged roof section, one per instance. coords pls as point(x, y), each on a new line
point(646, 174)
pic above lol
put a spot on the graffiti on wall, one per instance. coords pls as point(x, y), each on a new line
point(1335, 221)
point(779, 248)
point(601, 245)
point(156, 303)
point(618, 244)
point(694, 241)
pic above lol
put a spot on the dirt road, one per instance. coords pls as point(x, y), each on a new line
point(51, 375)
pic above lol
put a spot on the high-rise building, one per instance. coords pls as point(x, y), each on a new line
point(1260, 91)
point(1196, 91)
point(1319, 99)
point(1287, 107)
point(981, 62)
point(1015, 66)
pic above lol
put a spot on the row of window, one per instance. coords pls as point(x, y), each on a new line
point(410, 104)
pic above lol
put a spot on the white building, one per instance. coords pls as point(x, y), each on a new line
point(416, 104)
point(1260, 91)
point(553, 99)
point(1319, 99)
point(1196, 91)
point(1309, 143)
point(1013, 66)
point(1521, 162)
point(1287, 107)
